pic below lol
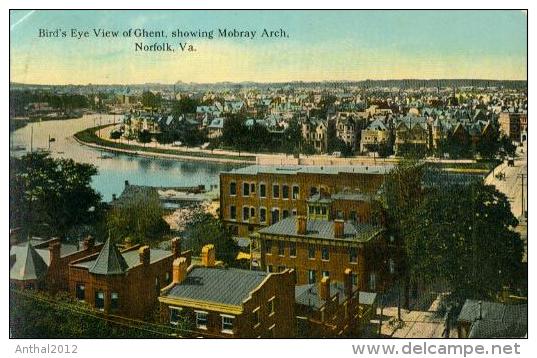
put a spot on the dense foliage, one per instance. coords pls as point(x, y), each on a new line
point(50, 196)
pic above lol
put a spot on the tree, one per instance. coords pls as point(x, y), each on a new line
point(50, 196)
point(144, 136)
point(184, 105)
point(463, 234)
point(206, 229)
point(139, 219)
point(151, 100)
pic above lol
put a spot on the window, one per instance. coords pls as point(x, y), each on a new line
point(313, 190)
point(391, 266)
point(262, 190)
point(245, 213)
point(353, 215)
point(354, 279)
point(281, 248)
point(326, 273)
point(296, 191)
point(257, 316)
point(275, 215)
point(270, 306)
point(245, 189)
point(268, 247)
point(201, 319)
point(325, 254)
point(227, 323)
point(99, 300)
point(175, 315)
point(323, 210)
point(233, 212)
point(372, 281)
point(252, 212)
point(114, 301)
point(252, 188)
point(80, 291)
point(167, 277)
point(232, 188)
point(276, 191)
point(311, 251)
point(285, 191)
point(312, 276)
point(311, 209)
point(262, 215)
point(294, 212)
point(292, 249)
point(285, 214)
point(353, 255)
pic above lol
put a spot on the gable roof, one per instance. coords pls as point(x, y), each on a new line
point(110, 261)
point(29, 265)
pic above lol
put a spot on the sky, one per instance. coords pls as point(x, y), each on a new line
point(321, 45)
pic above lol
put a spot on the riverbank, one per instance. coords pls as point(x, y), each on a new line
point(89, 138)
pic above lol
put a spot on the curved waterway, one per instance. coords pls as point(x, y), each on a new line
point(113, 168)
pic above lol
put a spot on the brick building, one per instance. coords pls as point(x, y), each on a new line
point(317, 248)
point(513, 124)
point(258, 196)
point(39, 264)
point(333, 309)
point(125, 283)
point(229, 302)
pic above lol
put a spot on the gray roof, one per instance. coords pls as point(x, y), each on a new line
point(293, 170)
point(498, 320)
point(135, 193)
point(29, 265)
point(131, 258)
point(322, 229)
point(219, 285)
point(109, 261)
point(308, 295)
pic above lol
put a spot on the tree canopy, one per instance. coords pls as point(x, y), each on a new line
point(50, 196)
point(463, 234)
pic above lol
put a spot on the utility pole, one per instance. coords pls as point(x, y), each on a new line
point(521, 176)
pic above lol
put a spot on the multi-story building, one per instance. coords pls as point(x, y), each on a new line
point(317, 248)
point(125, 283)
point(314, 132)
point(412, 132)
point(258, 196)
point(229, 302)
point(333, 309)
point(38, 264)
point(375, 135)
point(511, 124)
point(348, 128)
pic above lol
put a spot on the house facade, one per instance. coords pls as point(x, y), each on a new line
point(223, 302)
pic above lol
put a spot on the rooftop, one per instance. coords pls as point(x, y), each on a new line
point(322, 229)
point(229, 286)
point(308, 295)
point(331, 170)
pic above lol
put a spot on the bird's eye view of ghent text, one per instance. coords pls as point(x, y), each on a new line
point(268, 174)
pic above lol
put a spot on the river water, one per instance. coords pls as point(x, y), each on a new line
point(113, 168)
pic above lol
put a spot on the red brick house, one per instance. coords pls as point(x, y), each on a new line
point(125, 283)
point(44, 265)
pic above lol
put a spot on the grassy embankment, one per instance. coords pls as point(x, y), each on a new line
point(88, 136)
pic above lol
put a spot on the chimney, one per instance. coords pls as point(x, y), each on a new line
point(145, 255)
point(339, 226)
point(208, 256)
point(88, 242)
point(176, 247)
point(54, 250)
point(347, 282)
point(114, 197)
point(126, 183)
point(301, 225)
point(325, 288)
point(179, 270)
